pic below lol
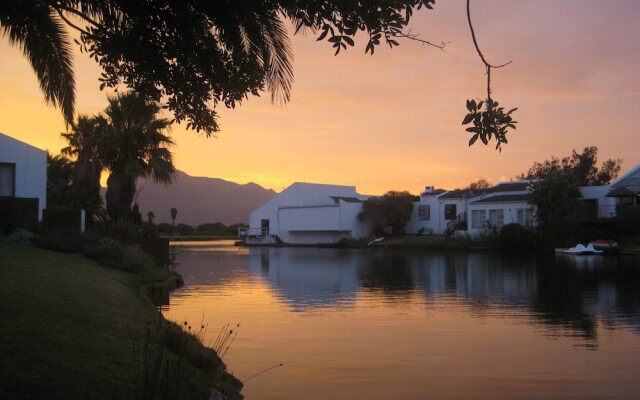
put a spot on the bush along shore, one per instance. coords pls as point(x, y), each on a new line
point(80, 322)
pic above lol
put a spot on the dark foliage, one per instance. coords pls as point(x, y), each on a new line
point(194, 54)
point(630, 220)
point(389, 213)
point(490, 121)
point(556, 193)
point(580, 168)
point(515, 237)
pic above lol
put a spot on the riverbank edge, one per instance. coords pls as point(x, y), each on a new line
point(219, 382)
point(431, 243)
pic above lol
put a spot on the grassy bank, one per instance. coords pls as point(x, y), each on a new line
point(72, 329)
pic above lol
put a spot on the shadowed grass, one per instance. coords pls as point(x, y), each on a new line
point(68, 328)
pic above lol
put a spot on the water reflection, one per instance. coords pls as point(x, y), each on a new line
point(572, 293)
point(381, 324)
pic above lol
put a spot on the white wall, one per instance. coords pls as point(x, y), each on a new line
point(305, 213)
point(431, 225)
point(31, 169)
point(510, 213)
point(606, 205)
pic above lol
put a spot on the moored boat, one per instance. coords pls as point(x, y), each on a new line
point(580, 250)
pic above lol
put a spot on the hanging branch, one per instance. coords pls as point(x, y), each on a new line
point(415, 37)
point(490, 121)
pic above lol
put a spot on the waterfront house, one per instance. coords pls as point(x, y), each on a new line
point(626, 189)
point(23, 176)
point(471, 211)
point(308, 213)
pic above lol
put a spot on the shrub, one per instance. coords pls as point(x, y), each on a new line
point(134, 259)
point(517, 237)
point(64, 243)
point(630, 220)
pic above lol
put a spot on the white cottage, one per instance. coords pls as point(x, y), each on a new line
point(23, 171)
point(472, 211)
point(308, 213)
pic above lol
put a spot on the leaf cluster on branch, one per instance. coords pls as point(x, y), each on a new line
point(191, 55)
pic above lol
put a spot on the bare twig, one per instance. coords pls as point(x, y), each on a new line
point(415, 37)
point(484, 60)
point(263, 371)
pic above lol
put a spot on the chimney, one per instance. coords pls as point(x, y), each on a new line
point(428, 189)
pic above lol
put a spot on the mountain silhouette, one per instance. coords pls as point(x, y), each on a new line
point(200, 200)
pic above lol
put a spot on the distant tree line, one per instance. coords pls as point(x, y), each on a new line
point(207, 229)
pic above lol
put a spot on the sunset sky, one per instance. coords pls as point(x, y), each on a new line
point(393, 120)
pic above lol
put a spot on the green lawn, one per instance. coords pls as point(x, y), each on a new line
point(68, 327)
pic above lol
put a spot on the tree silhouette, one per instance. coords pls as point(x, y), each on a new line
point(174, 214)
point(134, 144)
point(191, 53)
point(150, 216)
point(83, 139)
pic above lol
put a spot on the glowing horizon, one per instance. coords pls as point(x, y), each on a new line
point(392, 121)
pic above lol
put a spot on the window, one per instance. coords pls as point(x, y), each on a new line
point(450, 211)
point(496, 218)
point(7, 179)
point(478, 218)
point(525, 216)
point(424, 213)
point(264, 227)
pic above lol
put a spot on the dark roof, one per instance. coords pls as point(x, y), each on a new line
point(623, 192)
point(433, 192)
point(509, 187)
point(457, 194)
point(504, 198)
point(347, 199)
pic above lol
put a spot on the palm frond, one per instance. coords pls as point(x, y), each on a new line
point(278, 58)
point(32, 27)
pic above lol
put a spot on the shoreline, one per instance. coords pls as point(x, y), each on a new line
point(76, 330)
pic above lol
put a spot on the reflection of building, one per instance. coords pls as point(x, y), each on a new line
point(308, 277)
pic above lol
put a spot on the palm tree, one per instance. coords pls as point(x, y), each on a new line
point(59, 180)
point(33, 27)
point(133, 145)
point(174, 214)
point(84, 138)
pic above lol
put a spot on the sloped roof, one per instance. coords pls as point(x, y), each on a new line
point(623, 192)
point(504, 198)
point(347, 199)
point(626, 185)
point(433, 192)
point(458, 194)
point(509, 187)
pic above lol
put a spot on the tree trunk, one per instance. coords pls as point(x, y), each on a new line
point(86, 185)
point(121, 190)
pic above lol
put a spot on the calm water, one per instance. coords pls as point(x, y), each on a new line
point(358, 324)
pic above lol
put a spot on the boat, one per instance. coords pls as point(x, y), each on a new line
point(580, 250)
point(608, 246)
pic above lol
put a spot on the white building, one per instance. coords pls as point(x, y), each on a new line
point(472, 211)
point(23, 171)
point(308, 213)
point(626, 189)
